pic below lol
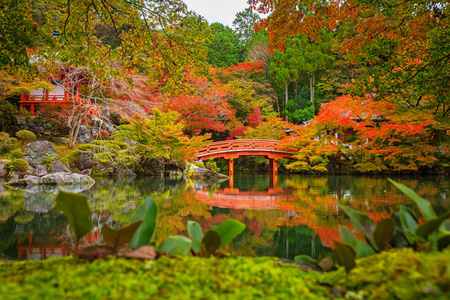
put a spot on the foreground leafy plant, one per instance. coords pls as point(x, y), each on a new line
point(138, 234)
point(401, 230)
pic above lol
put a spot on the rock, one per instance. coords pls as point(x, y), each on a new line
point(87, 172)
point(61, 140)
point(32, 125)
point(21, 120)
point(57, 166)
point(153, 167)
point(129, 142)
point(3, 170)
point(47, 126)
point(60, 178)
point(14, 176)
point(84, 136)
point(124, 171)
point(40, 150)
point(31, 171)
point(199, 173)
point(40, 170)
point(30, 161)
point(86, 160)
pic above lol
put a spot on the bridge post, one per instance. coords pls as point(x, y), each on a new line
point(230, 167)
point(273, 166)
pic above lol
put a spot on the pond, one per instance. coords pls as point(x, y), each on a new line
point(286, 216)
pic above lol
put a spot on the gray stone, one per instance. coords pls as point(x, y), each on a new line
point(87, 172)
point(153, 167)
point(84, 136)
point(3, 170)
point(30, 161)
point(86, 160)
point(21, 120)
point(61, 140)
point(32, 125)
point(57, 166)
point(130, 142)
point(48, 126)
point(124, 171)
point(31, 171)
point(41, 150)
point(199, 173)
point(60, 178)
point(41, 170)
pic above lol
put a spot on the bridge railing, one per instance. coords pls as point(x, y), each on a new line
point(239, 145)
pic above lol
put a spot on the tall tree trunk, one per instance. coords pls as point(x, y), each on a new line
point(286, 100)
point(312, 81)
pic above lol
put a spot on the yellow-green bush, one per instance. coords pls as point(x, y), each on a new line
point(26, 136)
point(16, 153)
point(397, 274)
point(18, 164)
point(7, 143)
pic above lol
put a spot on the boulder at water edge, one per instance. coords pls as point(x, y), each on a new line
point(60, 178)
point(39, 151)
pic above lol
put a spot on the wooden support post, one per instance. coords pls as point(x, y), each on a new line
point(231, 182)
point(32, 110)
point(230, 168)
point(273, 180)
point(273, 166)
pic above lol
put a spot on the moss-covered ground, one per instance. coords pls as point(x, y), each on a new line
point(391, 275)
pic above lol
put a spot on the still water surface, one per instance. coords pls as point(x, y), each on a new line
point(293, 215)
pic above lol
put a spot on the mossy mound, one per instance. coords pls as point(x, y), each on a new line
point(183, 278)
point(397, 274)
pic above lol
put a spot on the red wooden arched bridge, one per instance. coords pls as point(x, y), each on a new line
point(235, 148)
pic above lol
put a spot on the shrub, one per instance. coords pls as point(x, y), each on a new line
point(6, 143)
point(18, 164)
point(26, 136)
point(211, 165)
point(16, 153)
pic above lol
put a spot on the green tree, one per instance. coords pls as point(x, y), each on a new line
point(224, 48)
point(243, 25)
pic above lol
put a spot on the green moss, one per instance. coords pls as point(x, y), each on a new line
point(397, 274)
point(183, 278)
point(18, 164)
point(26, 136)
point(16, 153)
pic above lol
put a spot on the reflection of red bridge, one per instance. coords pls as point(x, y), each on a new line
point(233, 198)
point(234, 148)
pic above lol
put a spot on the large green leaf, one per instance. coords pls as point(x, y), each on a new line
point(409, 225)
point(147, 212)
point(384, 231)
point(443, 242)
point(196, 235)
point(76, 209)
point(210, 243)
point(361, 222)
point(345, 255)
point(228, 229)
point(362, 249)
point(432, 225)
point(347, 236)
point(307, 260)
point(117, 237)
point(176, 245)
point(424, 206)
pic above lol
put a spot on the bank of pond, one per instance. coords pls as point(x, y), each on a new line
point(396, 274)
